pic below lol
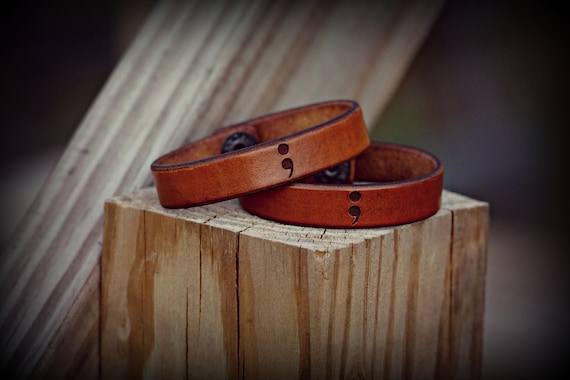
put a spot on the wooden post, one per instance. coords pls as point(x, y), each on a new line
point(214, 292)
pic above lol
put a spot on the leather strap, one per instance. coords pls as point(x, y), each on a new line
point(289, 145)
point(394, 185)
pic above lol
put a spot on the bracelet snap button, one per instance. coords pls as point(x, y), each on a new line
point(237, 141)
point(335, 175)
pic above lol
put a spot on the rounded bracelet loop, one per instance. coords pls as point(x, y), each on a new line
point(394, 184)
point(261, 153)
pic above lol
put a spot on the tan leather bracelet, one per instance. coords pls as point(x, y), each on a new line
point(261, 153)
point(400, 185)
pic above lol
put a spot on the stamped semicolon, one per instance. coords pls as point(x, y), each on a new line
point(286, 163)
point(354, 211)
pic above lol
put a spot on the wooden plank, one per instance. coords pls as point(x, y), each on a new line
point(193, 67)
point(75, 346)
point(395, 302)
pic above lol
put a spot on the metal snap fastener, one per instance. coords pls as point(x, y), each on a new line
point(335, 175)
point(237, 141)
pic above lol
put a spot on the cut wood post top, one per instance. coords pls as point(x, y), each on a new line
point(231, 216)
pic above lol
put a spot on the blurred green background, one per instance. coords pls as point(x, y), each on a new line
point(486, 93)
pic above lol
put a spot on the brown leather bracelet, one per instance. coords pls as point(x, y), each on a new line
point(399, 185)
point(261, 153)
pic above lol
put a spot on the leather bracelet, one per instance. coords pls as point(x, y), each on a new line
point(261, 153)
point(394, 185)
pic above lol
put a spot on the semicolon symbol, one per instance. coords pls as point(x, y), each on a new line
point(354, 211)
point(287, 163)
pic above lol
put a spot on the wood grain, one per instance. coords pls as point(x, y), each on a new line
point(193, 67)
point(268, 300)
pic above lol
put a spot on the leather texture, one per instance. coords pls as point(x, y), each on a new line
point(394, 184)
point(292, 144)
